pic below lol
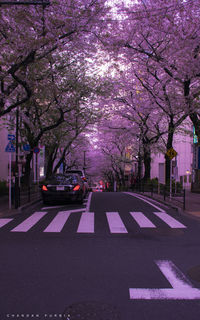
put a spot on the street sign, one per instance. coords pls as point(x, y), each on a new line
point(171, 153)
point(26, 147)
point(11, 137)
point(10, 147)
point(36, 150)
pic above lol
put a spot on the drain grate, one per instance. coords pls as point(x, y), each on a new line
point(91, 311)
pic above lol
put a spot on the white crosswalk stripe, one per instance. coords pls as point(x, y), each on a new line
point(173, 223)
point(58, 222)
point(87, 221)
point(142, 220)
point(29, 222)
point(115, 223)
point(86, 224)
point(3, 222)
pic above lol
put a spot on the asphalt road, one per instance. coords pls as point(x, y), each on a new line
point(116, 257)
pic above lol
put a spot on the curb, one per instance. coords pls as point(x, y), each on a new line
point(178, 209)
point(20, 209)
point(30, 204)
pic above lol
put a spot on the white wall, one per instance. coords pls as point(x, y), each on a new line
point(183, 146)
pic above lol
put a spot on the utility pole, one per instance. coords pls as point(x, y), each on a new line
point(84, 161)
point(17, 195)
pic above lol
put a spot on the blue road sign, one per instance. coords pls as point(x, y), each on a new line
point(10, 147)
point(36, 150)
point(11, 137)
point(26, 147)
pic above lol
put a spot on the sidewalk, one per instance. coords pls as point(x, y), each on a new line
point(5, 212)
point(192, 202)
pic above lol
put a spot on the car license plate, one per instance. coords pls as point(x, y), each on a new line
point(60, 188)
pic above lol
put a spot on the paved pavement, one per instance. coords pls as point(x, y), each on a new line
point(4, 205)
point(192, 203)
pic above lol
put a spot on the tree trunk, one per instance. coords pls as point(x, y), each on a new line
point(167, 159)
point(26, 178)
point(50, 156)
point(147, 162)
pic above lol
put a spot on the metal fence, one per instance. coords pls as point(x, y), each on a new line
point(26, 194)
point(177, 195)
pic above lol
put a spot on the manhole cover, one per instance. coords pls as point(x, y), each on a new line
point(194, 273)
point(91, 311)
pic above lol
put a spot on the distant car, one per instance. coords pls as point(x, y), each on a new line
point(81, 173)
point(63, 187)
point(98, 189)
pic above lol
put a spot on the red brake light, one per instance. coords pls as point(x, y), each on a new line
point(76, 188)
point(44, 188)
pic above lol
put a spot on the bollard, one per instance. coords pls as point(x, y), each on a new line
point(183, 199)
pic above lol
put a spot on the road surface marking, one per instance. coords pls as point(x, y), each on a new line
point(142, 220)
point(3, 222)
point(88, 202)
point(182, 288)
point(86, 224)
point(173, 223)
point(58, 222)
point(141, 198)
point(115, 223)
point(29, 222)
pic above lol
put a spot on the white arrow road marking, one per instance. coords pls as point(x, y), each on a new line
point(86, 224)
point(58, 222)
point(115, 223)
point(29, 222)
point(142, 220)
point(173, 223)
point(182, 288)
point(3, 222)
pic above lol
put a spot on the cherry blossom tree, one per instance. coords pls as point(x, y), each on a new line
point(29, 34)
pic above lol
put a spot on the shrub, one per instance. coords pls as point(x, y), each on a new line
point(3, 187)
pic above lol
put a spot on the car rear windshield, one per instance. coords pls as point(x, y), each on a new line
point(63, 179)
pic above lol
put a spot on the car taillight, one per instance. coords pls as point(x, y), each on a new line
point(76, 188)
point(84, 179)
point(44, 188)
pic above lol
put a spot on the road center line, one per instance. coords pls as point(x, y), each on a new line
point(88, 202)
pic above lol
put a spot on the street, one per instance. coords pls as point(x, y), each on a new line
point(103, 257)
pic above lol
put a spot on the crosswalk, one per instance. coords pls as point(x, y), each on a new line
point(87, 220)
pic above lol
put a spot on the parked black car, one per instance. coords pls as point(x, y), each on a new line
point(63, 187)
point(81, 173)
